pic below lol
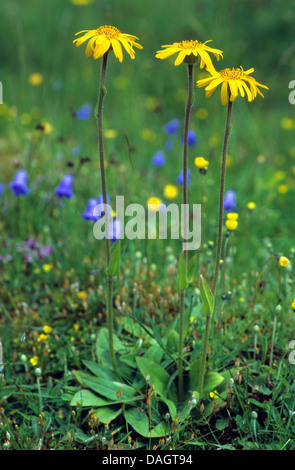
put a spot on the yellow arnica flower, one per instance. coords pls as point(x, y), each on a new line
point(232, 216)
point(34, 360)
point(189, 52)
point(107, 38)
point(233, 82)
point(47, 329)
point(170, 191)
point(231, 225)
point(293, 305)
point(201, 163)
point(283, 261)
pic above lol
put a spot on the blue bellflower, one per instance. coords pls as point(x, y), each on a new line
point(84, 112)
point(191, 138)
point(171, 127)
point(100, 209)
point(115, 230)
point(65, 187)
point(179, 178)
point(88, 214)
point(158, 159)
point(229, 202)
point(19, 184)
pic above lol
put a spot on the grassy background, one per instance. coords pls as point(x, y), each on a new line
point(144, 94)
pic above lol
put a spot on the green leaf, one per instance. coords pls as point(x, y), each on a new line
point(103, 349)
point(100, 371)
point(207, 296)
point(194, 374)
point(114, 266)
point(211, 381)
point(105, 387)
point(158, 376)
point(172, 341)
point(191, 268)
point(140, 423)
point(107, 414)
point(182, 279)
point(171, 407)
point(88, 398)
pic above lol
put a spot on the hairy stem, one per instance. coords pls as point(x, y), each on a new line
point(102, 92)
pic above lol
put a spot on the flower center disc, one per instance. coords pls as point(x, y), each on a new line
point(109, 31)
point(232, 74)
point(189, 44)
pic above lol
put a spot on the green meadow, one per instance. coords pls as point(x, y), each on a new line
point(129, 345)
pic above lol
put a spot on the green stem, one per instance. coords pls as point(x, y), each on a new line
point(221, 196)
point(204, 356)
point(218, 252)
point(273, 340)
point(185, 225)
point(102, 93)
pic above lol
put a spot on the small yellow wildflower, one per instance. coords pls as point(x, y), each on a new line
point(232, 216)
point(76, 326)
point(201, 163)
point(41, 337)
point(293, 305)
point(110, 133)
point(231, 225)
point(170, 191)
point(214, 394)
point(47, 329)
point(251, 206)
point(287, 124)
point(47, 267)
point(81, 295)
point(284, 261)
point(283, 188)
point(34, 360)
point(154, 203)
point(81, 2)
point(35, 79)
point(202, 113)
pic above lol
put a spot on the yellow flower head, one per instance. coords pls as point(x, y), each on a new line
point(201, 163)
point(232, 216)
point(34, 360)
point(154, 203)
point(251, 206)
point(231, 224)
point(233, 82)
point(35, 79)
point(47, 329)
point(293, 305)
point(170, 191)
point(41, 337)
point(189, 52)
point(283, 261)
point(47, 267)
point(107, 38)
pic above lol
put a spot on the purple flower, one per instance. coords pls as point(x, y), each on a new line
point(158, 159)
point(229, 202)
point(84, 112)
point(179, 178)
point(65, 187)
point(169, 145)
point(1, 188)
point(45, 251)
point(88, 214)
point(100, 209)
point(191, 138)
point(171, 127)
point(115, 230)
point(19, 184)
